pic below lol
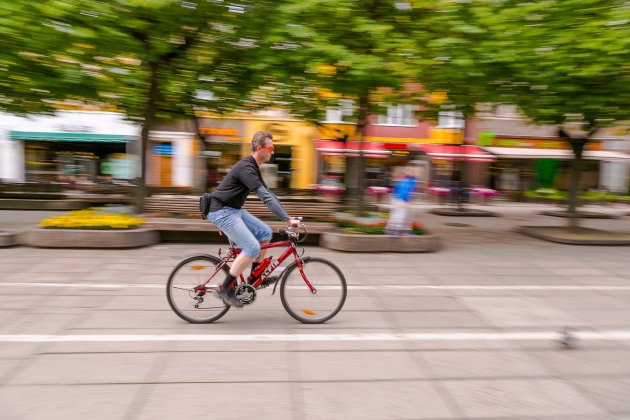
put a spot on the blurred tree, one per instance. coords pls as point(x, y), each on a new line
point(150, 59)
point(561, 62)
point(324, 51)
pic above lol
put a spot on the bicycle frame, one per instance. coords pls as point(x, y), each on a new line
point(291, 250)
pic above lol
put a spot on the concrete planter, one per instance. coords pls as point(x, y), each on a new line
point(80, 238)
point(7, 239)
point(379, 243)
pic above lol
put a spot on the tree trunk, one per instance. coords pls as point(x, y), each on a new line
point(577, 145)
point(200, 160)
point(574, 220)
point(361, 128)
point(149, 114)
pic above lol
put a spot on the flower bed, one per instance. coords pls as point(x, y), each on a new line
point(92, 219)
point(91, 228)
point(374, 223)
point(550, 194)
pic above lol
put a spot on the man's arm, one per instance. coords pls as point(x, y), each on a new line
point(272, 203)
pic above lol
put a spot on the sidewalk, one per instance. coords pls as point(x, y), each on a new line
point(511, 215)
point(468, 332)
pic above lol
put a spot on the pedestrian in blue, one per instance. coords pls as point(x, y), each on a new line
point(398, 223)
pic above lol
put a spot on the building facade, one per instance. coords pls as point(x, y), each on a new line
point(70, 146)
point(531, 157)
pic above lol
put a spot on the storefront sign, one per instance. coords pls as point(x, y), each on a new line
point(281, 132)
point(164, 149)
point(74, 128)
point(533, 143)
point(218, 131)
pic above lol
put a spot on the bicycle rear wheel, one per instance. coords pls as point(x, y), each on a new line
point(313, 308)
point(187, 296)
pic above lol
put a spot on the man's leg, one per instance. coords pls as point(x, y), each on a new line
point(394, 224)
point(261, 231)
point(231, 223)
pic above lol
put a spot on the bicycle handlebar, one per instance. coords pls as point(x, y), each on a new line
point(294, 232)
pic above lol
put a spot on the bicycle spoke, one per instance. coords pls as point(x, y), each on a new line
point(191, 286)
point(317, 307)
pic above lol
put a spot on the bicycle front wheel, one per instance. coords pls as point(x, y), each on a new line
point(187, 295)
point(330, 291)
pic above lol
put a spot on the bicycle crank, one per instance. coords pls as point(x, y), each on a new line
point(246, 293)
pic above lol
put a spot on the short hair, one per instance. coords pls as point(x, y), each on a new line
point(259, 139)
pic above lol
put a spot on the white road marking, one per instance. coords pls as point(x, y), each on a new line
point(352, 287)
point(447, 336)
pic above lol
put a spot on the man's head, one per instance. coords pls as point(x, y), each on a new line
point(262, 146)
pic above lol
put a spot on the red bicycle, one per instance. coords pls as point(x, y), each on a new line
point(312, 289)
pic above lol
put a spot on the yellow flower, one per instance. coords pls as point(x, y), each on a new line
point(89, 219)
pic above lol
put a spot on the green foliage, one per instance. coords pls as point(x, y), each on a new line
point(108, 53)
point(589, 196)
point(374, 224)
point(323, 50)
point(559, 61)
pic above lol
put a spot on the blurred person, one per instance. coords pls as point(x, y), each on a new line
point(245, 230)
point(398, 223)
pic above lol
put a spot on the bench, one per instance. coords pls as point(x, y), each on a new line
point(197, 230)
point(189, 205)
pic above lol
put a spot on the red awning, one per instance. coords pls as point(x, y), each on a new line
point(351, 148)
point(466, 152)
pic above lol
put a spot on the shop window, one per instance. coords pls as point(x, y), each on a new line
point(280, 168)
point(220, 157)
point(450, 119)
point(401, 114)
point(343, 112)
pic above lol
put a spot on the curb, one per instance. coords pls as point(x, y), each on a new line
point(582, 236)
point(463, 212)
point(379, 243)
point(580, 214)
point(18, 204)
point(7, 239)
point(80, 238)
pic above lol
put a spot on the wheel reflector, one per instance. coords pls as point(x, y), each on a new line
point(308, 312)
point(198, 267)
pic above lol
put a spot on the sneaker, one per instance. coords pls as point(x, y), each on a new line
point(228, 297)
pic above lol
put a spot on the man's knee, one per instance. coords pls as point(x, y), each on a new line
point(267, 234)
point(251, 249)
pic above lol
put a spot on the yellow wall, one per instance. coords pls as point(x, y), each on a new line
point(297, 134)
point(446, 135)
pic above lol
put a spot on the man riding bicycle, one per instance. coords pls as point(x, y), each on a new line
point(245, 230)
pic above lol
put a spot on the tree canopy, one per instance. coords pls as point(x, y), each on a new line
point(558, 61)
point(104, 52)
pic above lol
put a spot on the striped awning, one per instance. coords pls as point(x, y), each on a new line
point(70, 137)
point(463, 152)
point(369, 149)
point(533, 153)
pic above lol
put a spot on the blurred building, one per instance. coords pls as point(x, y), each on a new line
point(393, 140)
point(70, 146)
point(499, 150)
point(531, 156)
point(226, 140)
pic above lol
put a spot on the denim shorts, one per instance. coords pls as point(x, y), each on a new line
point(245, 230)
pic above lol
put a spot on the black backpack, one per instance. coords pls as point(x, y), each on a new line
point(204, 205)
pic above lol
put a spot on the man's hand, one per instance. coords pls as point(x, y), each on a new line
point(294, 222)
